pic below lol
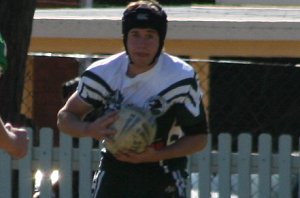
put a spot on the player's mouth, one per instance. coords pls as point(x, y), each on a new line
point(141, 54)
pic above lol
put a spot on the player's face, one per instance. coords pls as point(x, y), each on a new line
point(142, 45)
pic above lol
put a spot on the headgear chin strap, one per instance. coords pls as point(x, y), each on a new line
point(3, 52)
point(144, 17)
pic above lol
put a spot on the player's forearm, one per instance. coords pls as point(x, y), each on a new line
point(183, 147)
point(71, 124)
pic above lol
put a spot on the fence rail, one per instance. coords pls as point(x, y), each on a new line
point(215, 172)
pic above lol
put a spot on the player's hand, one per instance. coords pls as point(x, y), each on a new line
point(18, 141)
point(149, 155)
point(100, 128)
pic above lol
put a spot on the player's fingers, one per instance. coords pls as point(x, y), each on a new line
point(20, 130)
point(8, 126)
point(108, 119)
point(109, 133)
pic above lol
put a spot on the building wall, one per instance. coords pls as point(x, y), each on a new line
point(198, 32)
point(192, 48)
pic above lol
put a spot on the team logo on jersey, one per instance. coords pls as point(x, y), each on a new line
point(114, 101)
point(156, 105)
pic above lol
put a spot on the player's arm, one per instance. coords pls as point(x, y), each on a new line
point(185, 146)
point(13, 140)
point(70, 120)
point(195, 140)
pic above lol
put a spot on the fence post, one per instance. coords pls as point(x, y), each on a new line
point(45, 160)
point(284, 166)
point(221, 163)
point(224, 165)
point(244, 156)
point(5, 175)
point(25, 170)
point(264, 165)
point(205, 170)
point(85, 167)
point(65, 166)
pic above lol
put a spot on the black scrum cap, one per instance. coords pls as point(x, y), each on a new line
point(145, 17)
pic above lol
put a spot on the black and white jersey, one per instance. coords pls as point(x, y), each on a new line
point(170, 90)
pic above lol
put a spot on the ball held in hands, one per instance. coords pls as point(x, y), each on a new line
point(135, 131)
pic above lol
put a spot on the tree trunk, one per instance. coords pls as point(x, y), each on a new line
point(16, 17)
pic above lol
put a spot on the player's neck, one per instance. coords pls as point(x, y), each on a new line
point(135, 69)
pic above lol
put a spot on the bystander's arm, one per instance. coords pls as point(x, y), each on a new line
point(13, 140)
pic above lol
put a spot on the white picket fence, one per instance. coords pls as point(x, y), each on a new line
point(215, 171)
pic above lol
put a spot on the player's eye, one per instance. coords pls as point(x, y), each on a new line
point(150, 36)
point(134, 35)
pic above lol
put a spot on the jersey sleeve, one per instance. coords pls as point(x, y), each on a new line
point(192, 125)
point(190, 114)
point(92, 89)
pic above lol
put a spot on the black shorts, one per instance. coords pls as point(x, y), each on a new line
point(139, 184)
